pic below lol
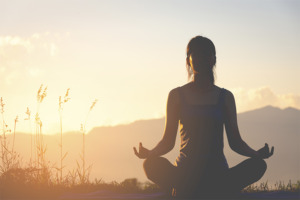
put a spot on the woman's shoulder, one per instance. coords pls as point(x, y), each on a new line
point(224, 90)
point(227, 93)
point(228, 97)
point(174, 95)
point(177, 91)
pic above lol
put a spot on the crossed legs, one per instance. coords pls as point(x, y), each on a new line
point(245, 173)
point(163, 173)
point(160, 171)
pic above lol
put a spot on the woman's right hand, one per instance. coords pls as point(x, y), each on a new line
point(265, 152)
point(142, 153)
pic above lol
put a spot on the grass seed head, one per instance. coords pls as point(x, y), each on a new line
point(60, 103)
point(16, 119)
point(41, 95)
point(28, 113)
point(93, 104)
point(81, 128)
point(6, 128)
point(66, 98)
point(2, 105)
point(40, 90)
point(44, 94)
point(37, 118)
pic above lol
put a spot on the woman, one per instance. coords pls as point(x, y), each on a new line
point(202, 108)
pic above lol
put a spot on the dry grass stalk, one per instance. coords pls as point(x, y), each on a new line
point(28, 113)
point(83, 171)
point(3, 137)
point(41, 149)
point(9, 158)
point(15, 126)
point(61, 107)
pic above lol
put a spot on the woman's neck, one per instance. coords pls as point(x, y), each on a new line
point(202, 81)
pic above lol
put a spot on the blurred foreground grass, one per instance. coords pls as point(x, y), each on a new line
point(23, 183)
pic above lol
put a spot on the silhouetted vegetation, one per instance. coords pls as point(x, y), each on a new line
point(38, 178)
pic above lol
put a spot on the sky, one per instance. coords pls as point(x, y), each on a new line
point(130, 54)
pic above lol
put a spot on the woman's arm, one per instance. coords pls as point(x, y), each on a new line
point(167, 142)
point(235, 140)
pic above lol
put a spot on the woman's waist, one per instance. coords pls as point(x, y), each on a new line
point(202, 146)
point(193, 154)
point(209, 159)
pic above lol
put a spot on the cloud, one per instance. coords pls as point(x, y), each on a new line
point(248, 99)
point(27, 56)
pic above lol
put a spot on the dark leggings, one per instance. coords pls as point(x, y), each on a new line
point(185, 182)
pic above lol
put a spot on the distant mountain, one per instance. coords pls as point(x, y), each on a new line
point(110, 151)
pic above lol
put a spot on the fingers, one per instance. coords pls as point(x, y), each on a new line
point(142, 153)
point(265, 152)
point(266, 146)
point(272, 151)
point(136, 152)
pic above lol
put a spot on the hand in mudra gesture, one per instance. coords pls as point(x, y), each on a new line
point(142, 153)
point(265, 152)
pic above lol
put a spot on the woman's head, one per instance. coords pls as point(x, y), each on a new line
point(201, 57)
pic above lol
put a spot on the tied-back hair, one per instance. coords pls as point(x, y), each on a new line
point(205, 48)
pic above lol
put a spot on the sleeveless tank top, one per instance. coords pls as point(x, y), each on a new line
point(201, 133)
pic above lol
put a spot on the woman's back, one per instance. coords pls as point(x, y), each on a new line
point(201, 128)
point(197, 96)
point(201, 109)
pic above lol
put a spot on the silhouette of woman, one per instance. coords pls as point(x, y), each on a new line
point(201, 109)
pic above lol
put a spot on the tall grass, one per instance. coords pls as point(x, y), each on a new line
point(14, 137)
point(39, 142)
point(40, 172)
point(28, 118)
point(8, 157)
point(61, 104)
point(83, 171)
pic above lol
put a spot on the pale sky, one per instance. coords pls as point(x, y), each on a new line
point(130, 54)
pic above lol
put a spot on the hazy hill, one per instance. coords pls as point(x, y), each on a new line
point(110, 151)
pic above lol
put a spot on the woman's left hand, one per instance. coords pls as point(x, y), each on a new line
point(265, 152)
point(142, 153)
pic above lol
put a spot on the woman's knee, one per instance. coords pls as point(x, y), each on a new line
point(157, 166)
point(259, 165)
point(150, 165)
point(262, 165)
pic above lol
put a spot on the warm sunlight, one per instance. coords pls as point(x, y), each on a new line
point(83, 82)
point(43, 58)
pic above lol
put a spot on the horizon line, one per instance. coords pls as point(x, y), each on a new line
point(147, 119)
